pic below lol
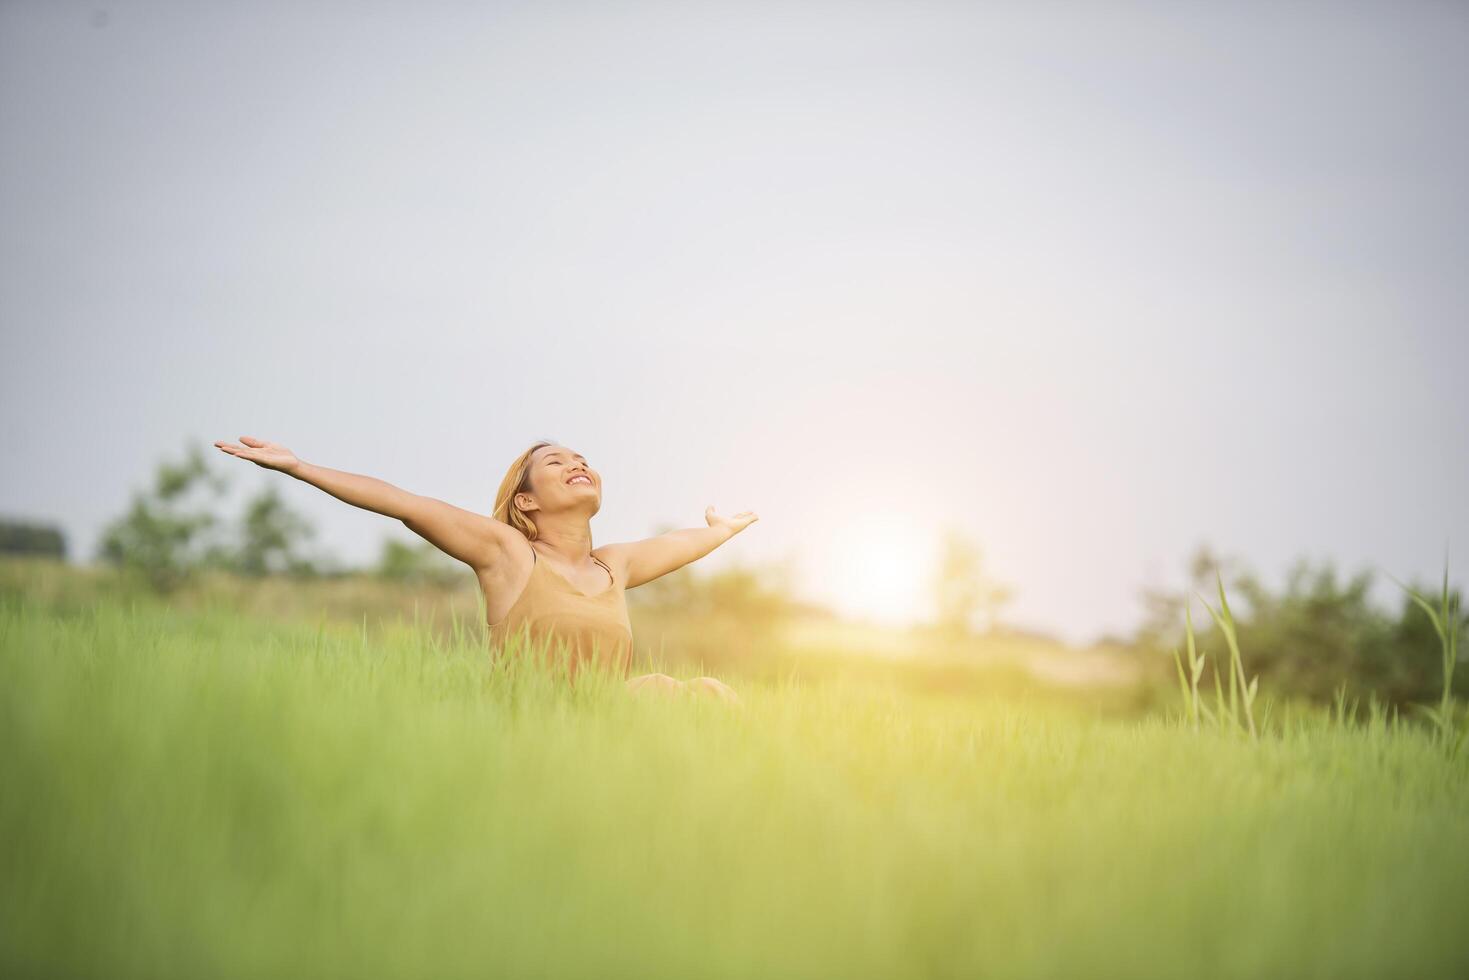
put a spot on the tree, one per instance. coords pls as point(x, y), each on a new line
point(174, 529)
point(170, 530)
point(270, 533)
point(965, 596)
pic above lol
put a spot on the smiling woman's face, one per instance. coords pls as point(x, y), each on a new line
point(560, 477)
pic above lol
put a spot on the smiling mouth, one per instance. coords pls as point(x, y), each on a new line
point(579, 479)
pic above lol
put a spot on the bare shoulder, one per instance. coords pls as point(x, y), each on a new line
point(615, 556)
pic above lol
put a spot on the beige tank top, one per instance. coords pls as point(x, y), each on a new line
point(594, 628)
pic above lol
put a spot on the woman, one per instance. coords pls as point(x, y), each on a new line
point(533, 557)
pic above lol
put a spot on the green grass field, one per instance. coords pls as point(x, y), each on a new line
point(197, 793)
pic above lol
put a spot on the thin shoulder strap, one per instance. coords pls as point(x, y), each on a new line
point(610, 573)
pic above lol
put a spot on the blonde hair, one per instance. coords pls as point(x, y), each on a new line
point(517, 480)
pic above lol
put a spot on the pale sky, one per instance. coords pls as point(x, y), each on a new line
point(1094, 282)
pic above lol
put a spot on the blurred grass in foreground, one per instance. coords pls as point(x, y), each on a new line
point(196, 792)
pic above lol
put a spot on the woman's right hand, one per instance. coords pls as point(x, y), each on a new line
point(270, 455)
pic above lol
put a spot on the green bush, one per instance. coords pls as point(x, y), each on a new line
point(419, 564)
point(1317, 634)
point(19, 537)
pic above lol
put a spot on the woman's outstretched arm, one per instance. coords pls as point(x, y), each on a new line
point(475, 539)
point(648, 559)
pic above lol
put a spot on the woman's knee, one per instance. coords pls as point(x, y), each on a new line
point(654, 684)
point(711, 687)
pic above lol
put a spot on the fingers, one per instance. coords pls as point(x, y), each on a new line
point(746, 516)
point(240, 451)
point(743, 517)
point(253, 442)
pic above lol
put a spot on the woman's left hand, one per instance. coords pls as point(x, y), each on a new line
point(734, 524)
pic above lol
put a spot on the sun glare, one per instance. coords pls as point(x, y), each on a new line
point(878, 569)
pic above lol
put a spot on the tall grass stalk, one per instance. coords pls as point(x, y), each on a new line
point(1448, 623)
point(1189, 685)
point(1241, 692)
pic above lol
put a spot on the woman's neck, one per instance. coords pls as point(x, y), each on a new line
point(570, 539)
